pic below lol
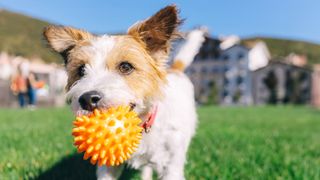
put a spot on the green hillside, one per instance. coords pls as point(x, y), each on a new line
point(282, 47)
point(22, 35)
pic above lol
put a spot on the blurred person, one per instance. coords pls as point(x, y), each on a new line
point(24, 84)
point(19, 84)
point(31, 89)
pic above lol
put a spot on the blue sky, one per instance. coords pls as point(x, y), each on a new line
point(293, 19)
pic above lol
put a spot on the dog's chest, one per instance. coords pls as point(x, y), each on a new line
point(154, 148)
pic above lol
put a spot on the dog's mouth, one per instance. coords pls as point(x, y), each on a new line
point(82, 112)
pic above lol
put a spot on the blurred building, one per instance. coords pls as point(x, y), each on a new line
point(222, 70)
point(206, 71)
point(281, 83)
point(316, 86)
point(228, 73)
point(237, 77)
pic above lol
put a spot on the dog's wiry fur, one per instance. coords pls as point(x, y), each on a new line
point(146, 47)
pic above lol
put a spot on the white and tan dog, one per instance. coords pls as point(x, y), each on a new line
point(132, 69)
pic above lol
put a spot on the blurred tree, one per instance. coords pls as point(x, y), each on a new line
point(271, 83)
point(214, 93)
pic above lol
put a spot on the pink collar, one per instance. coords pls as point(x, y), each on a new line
point(151, 117)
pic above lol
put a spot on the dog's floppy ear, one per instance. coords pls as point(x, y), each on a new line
point(157, 31)
point(63, 38)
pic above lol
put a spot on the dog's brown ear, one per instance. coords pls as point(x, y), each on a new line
point(157, 31)
point(63, 38)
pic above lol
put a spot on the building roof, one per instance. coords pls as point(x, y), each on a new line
point(316, 67)
point(280, 62)
point(237, 45)
point(210, 48)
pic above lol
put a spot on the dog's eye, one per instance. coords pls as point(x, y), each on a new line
point(81, 70)
point(125, 68)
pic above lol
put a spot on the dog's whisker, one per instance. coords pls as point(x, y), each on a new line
point(132, 106)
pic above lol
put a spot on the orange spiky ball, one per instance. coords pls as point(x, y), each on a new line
point(108, 137)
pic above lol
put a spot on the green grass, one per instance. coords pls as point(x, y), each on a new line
point(231, 143)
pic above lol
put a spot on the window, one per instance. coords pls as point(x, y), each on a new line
point(225, 57)
point(226, 68)
point(191, 70)
point(214, 69)
point(211, 84)
point(240, 55)
point(206, 69)
point(226, 81)
point(203, 70)
point(239, 80)
point(225, 93)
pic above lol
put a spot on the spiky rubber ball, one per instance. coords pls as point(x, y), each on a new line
point(109, 137)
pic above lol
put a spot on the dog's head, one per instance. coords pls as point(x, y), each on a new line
point(106, 71)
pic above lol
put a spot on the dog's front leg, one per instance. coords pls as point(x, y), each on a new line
point(174, 171)
point(177, 148)
point(146, 173)
point(109, 173)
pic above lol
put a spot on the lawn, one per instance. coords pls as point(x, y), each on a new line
point(231, 143)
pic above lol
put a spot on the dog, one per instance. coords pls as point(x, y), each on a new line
point(132, 69)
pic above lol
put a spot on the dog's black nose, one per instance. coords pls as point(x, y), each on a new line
point(89, 100)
